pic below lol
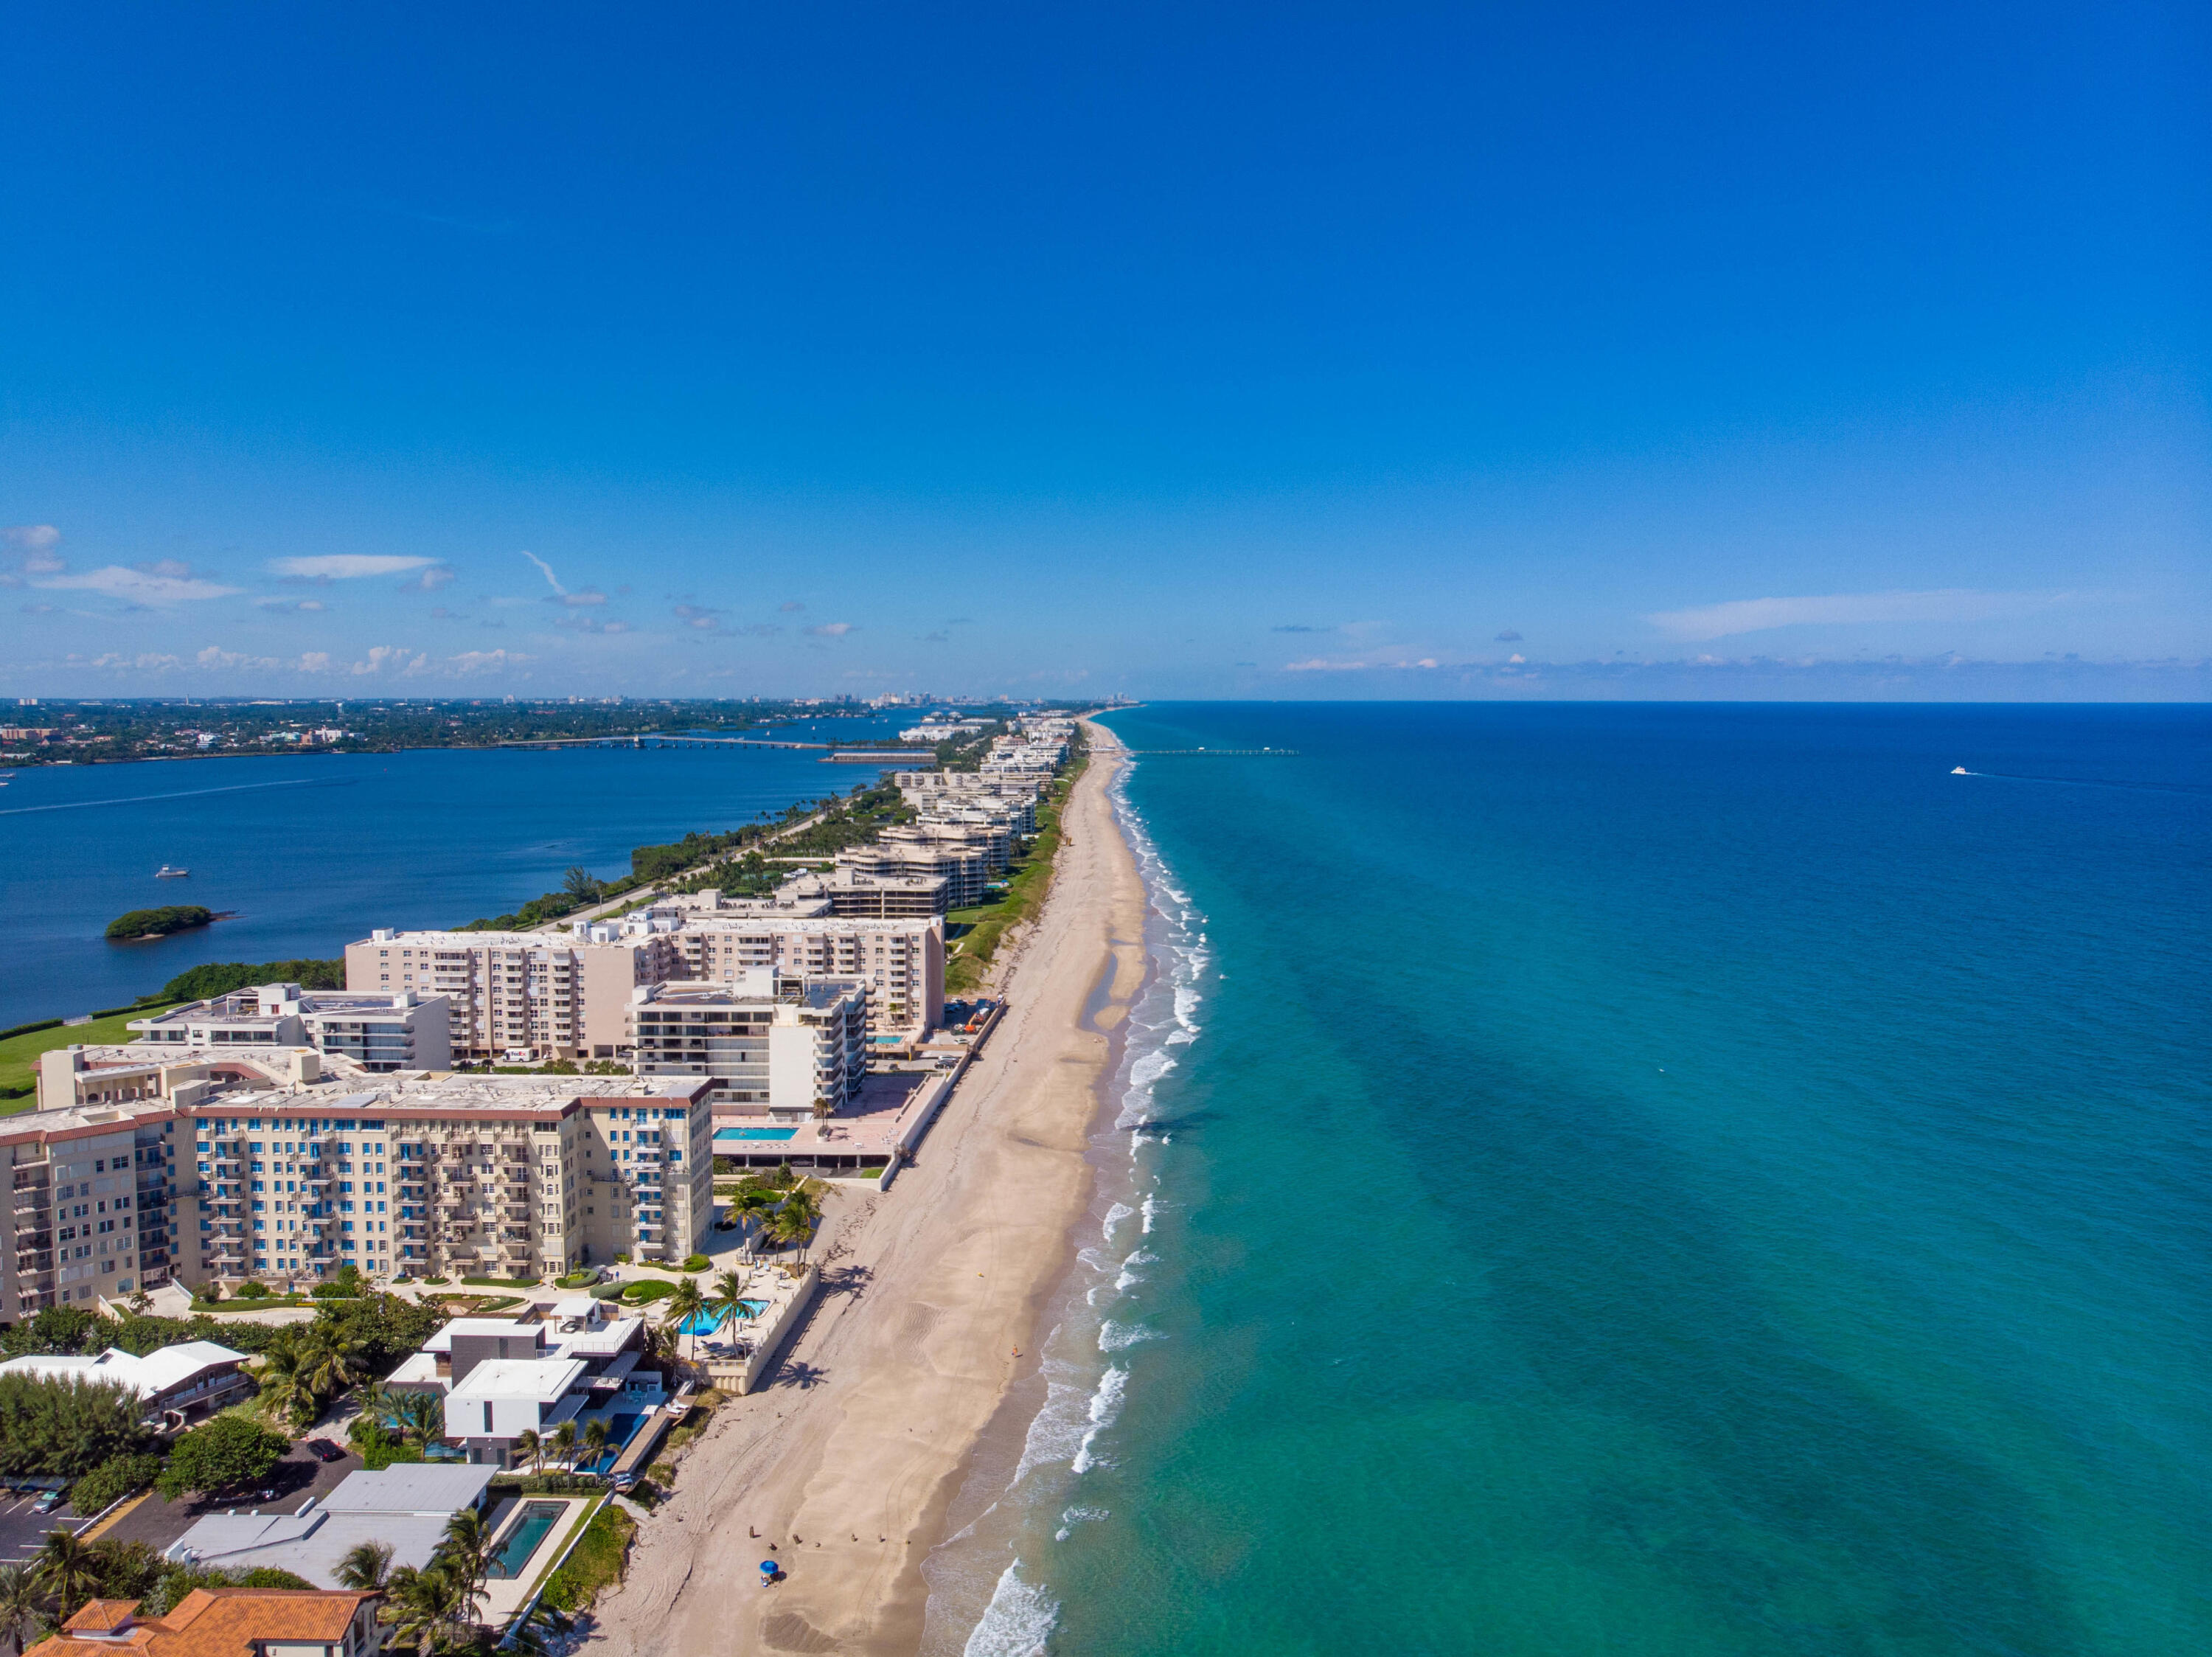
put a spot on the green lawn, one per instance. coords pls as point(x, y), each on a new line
point(19, 1054)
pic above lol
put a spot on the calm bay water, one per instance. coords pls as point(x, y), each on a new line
point(1639, 1179)
point(312, 851)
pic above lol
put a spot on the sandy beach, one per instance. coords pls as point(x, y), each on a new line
point(848, 1462)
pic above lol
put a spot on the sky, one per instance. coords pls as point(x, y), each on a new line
point(1185, 351)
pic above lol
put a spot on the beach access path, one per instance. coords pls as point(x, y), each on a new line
point(849, 1458)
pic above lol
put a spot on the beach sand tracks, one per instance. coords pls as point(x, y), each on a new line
point(786, 1630)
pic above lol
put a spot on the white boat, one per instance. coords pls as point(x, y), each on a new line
point(165, 873)
point(1960, 770)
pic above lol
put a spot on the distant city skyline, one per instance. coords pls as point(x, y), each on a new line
point(1224, 352)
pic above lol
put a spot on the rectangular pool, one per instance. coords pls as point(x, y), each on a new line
point(538, 1518)
point(721, 1134)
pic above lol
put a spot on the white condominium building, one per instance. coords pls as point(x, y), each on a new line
point(505, 1176)
point(91, 1191)
point(901, 960)
point(780, 1048)
point(399, 1030)
point(555, 995)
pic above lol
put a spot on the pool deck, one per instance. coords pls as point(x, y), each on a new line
point(504, 1598)
point(887, 1110)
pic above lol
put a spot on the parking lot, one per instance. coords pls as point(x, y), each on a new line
point(299, 1475)
point(23, 1528)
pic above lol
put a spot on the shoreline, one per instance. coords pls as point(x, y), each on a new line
point(850, 1462)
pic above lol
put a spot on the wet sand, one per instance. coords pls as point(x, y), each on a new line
point(849, 1461)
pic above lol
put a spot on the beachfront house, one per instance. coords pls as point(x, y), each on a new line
point(502, 1377)
point(406, 1508)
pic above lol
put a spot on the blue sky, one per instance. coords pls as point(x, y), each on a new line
point(1184, 350)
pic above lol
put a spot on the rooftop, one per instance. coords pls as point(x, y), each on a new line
point(157, 1371)
point(208, 1623)
point(545, 1380)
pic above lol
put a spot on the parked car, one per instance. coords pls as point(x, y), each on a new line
point(324, 1449)
point(48, 1502)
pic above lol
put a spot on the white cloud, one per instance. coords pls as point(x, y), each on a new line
point(831, 629)
point(289, 605)
point(1949, 603)
point(1318, 666)
point(139, 586)
point(475, 662)
point(315, 661)
point(437, 576)
point(346, 566)
point(217, 656)
point(37, 542)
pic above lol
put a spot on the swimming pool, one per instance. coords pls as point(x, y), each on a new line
point(706, 1323)
point(538, 1518)
point(755, 1133)
point(621, 1429)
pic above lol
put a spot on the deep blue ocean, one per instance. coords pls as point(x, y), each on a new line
point(1638, 1179)
point(311, 851)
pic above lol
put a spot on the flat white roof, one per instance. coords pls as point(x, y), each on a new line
point(543, 1378)
point(422, 1487)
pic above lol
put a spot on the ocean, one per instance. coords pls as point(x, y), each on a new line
point(311, 851)
point(1637, 1180)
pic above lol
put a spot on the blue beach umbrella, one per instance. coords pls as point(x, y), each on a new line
point(768, 1568)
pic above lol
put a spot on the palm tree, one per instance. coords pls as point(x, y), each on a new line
point(420, 1417)
point(467, 1551)
point(750, 1206)
point(562, 1444)
point(685, 1304)
point(727, 1301)
point(528, 1443)
point(21, 1600)
point(659, 1344)
point(795, 1217)
point(593, 1440)
point(285, 1394)
point(366, 1567)
point(330, 1359)
point(426, 1608)
point(67, 1569)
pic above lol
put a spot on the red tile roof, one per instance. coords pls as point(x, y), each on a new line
point(206, 1622)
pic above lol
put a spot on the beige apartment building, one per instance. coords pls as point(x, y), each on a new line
point(553, 994)
point(91, 1191)
point(503, 1176)
point(961, 867)
point(853, 895)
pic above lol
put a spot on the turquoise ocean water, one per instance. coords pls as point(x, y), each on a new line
point(1680, 1180)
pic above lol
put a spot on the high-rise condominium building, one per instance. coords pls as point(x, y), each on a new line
point(483, 1175)
point(90, 1191)
point(785, 1049)
point(553, 994)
